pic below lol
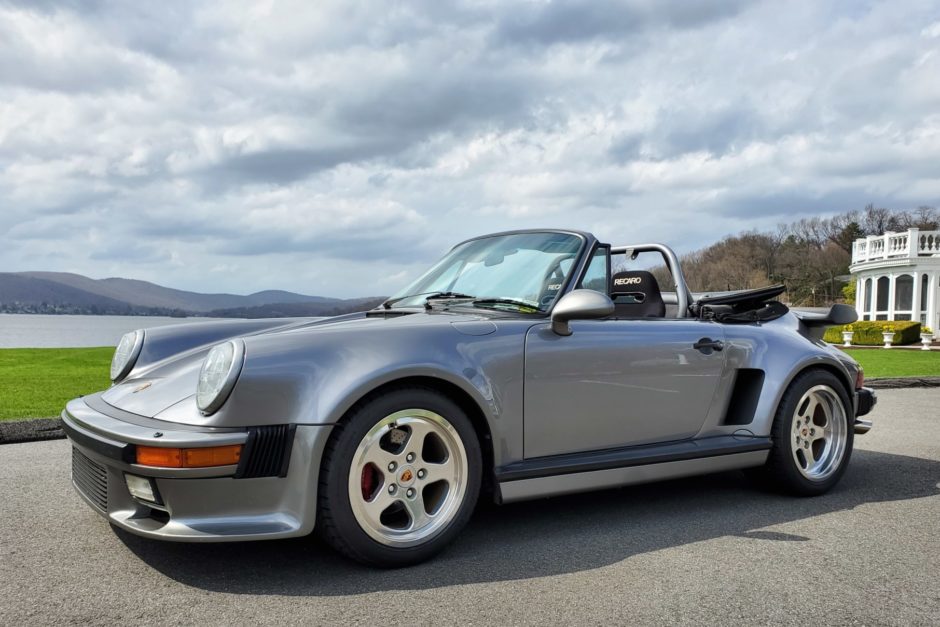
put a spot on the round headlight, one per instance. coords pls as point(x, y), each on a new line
point(125, 355)
point(218, 374)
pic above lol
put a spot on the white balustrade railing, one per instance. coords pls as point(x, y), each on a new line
point(929, 243)
point(897, 244)
point(913, 243)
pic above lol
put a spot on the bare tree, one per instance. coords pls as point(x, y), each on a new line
point(806, 256)
point(924, 218)
point(878, 220)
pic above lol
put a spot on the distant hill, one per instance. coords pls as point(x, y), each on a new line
point(146, 294)
point(299, 310)
point(61, 292)
point(20, 288)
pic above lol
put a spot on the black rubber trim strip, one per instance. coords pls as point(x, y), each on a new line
point(94, 401)
point(248, 449)
point(866, 401)
point(121, 452)
point(288, 447)
point(631, 456)
point(275, 460)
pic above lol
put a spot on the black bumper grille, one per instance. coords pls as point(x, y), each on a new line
point(267, 452)
point(91, 479)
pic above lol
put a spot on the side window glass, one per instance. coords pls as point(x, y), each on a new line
point(597, 278)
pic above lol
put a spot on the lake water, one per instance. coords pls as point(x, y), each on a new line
point(42, 331)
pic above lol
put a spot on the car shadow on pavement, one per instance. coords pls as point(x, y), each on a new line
point(546, 537)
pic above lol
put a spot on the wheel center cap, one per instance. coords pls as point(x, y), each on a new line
point(805, 432)
point(406, 476)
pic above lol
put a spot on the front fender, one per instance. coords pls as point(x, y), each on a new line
point(294, 378)
point(173, 340)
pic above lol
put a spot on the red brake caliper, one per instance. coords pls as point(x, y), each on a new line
point(367, 481)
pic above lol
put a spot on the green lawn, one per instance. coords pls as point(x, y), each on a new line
point(36, 382)
point(894, 362)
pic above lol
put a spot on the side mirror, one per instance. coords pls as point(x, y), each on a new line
point(580, 305)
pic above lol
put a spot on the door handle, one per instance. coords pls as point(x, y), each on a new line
point(707, 345)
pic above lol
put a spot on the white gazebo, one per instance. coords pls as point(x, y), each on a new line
point(898, 276)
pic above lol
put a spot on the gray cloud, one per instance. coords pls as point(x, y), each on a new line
point(716, 132)
point(283, 166)
point(376, 246)
point(584, 20)
point(239, 147)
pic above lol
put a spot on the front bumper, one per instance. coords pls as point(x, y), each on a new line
point(865, 402)
point(218, 504)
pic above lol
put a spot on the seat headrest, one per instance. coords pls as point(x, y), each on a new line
point(636, 295)
point(633, 281)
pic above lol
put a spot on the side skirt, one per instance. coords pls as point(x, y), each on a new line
point(566, 474)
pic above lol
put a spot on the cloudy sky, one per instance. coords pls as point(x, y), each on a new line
point(338, 147)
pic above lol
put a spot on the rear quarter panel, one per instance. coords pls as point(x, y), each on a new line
point(782, 350)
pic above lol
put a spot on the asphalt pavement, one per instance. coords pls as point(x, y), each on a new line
point(705, 550)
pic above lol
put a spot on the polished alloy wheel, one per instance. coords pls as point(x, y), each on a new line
point(408, 478)
point(819, 433)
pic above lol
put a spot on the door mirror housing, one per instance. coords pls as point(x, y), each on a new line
point(580, 305)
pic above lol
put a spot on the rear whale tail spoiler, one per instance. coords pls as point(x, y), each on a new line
point(816, 323)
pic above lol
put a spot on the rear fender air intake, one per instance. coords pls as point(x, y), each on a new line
point(266, 452)
point(748, 384)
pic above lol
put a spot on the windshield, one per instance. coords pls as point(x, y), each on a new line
point(525, 271)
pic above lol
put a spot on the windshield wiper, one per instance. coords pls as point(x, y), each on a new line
point(483, 302)
point(430, 296)
point(446, 296)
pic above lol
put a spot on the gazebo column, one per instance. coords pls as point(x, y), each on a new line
point(915, 297)
point(860, 297)
point(874, 296)
point(891, 279)
point(932, 321)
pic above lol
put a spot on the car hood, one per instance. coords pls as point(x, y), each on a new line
point(166, 389)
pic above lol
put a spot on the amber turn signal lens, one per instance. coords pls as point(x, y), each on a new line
point(160, 456)
point(163, 457)
point(211, 456)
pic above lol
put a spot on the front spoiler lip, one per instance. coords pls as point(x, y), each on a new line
point(202, 504)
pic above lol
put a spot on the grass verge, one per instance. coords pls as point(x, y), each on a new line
point(879, 363)
point(37, 382)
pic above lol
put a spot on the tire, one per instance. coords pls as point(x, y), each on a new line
point(812, 444)
point(379, 505)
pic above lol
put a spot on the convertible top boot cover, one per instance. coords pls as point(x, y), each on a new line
point(771, 310)
point(742, 307)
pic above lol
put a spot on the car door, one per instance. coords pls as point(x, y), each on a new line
point(615, 383)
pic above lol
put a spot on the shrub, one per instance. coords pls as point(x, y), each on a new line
point(833, 335)
point(868, 332)
point(848, 292)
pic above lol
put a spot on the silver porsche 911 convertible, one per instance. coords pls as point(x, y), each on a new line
point(522, 365)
